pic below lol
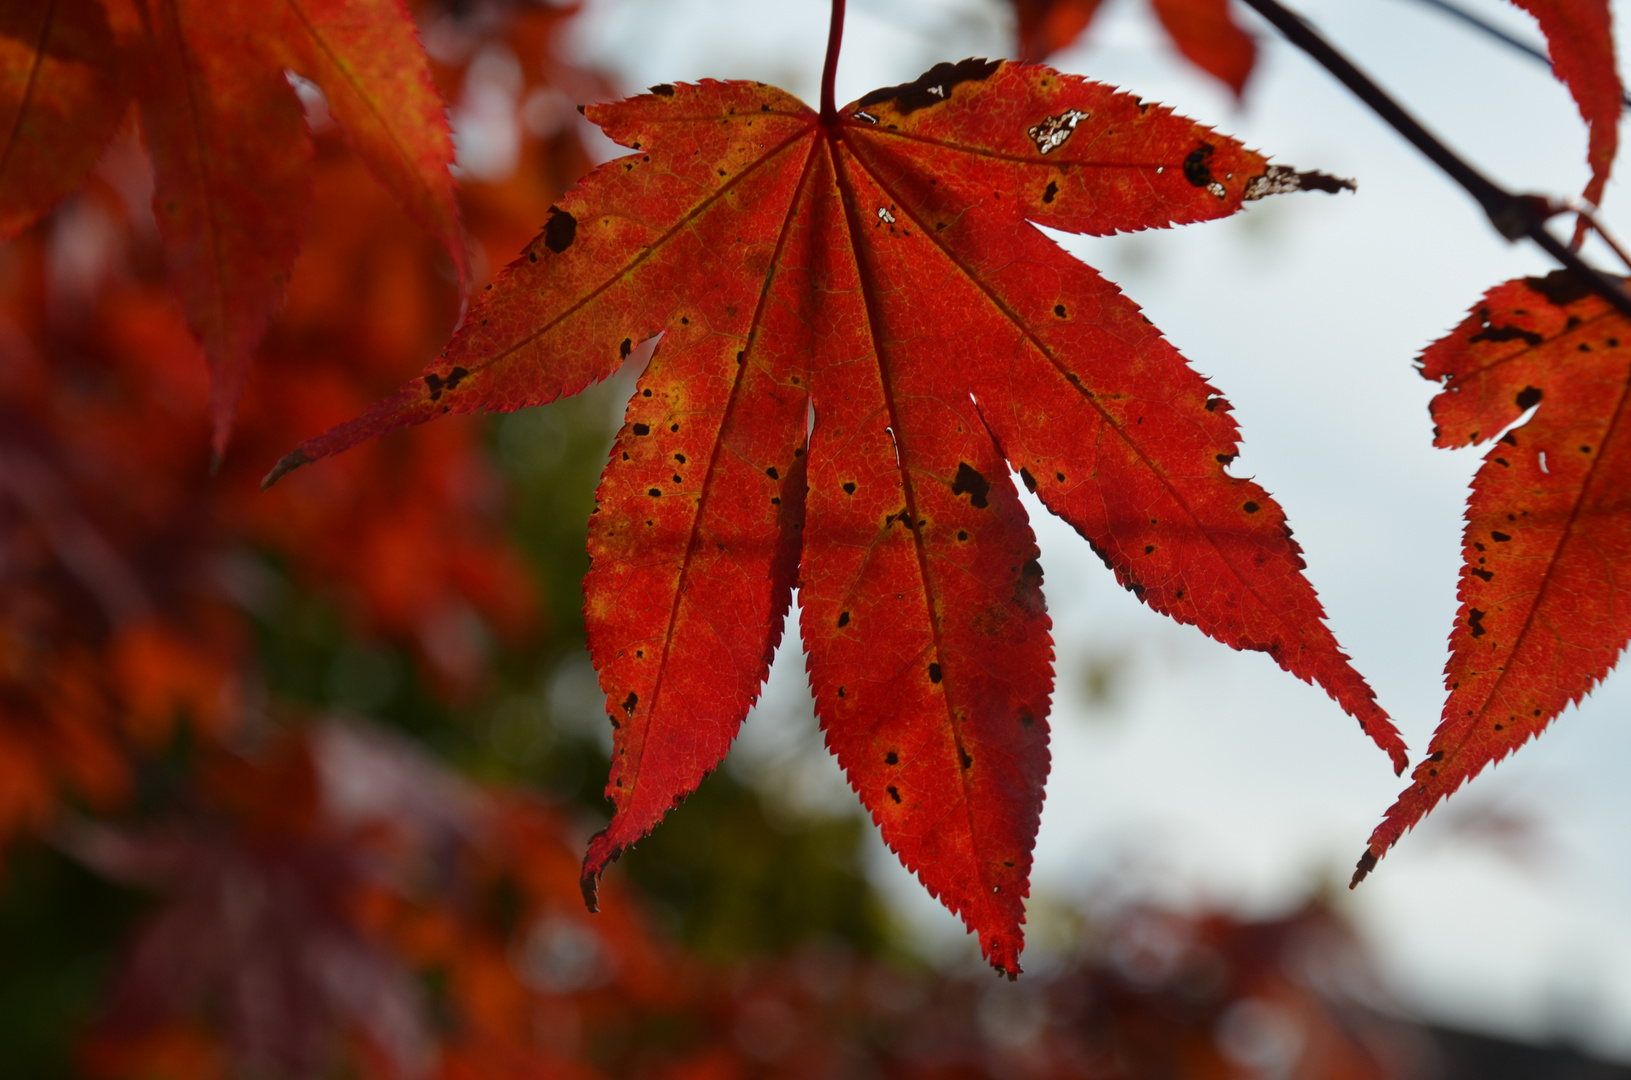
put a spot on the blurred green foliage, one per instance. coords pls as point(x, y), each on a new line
point(61, 928)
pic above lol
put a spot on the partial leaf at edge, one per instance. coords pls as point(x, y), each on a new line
point(63, 91)
point(1580, 41)
point(1544, 613)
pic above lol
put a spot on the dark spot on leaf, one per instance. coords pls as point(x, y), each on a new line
point(1510, 438)
point(962, 755)
point(933, 86)
point(1507, 333)
point(1196, 170)
point(1224, 459)
point(961, 535)
point(840, 691)
point(641, 429)
point(1585, 449)
point(1528, 397)
point(843, 618)
point(624, 349)
point(970, 481)
point(680, 458)
point(1487, 575)
point(1499, 537)
point(1251, 508)
point(560, 231)
point(1052, 190)
point(1025, 718)
point(1149, 549)
point(1030, 481)
point(664, 89)
point(673, 427)
point(645, 393)
point(630, 702)
point(891, 758)
point(893, 792)
point(1059, 310)
point(1560, 287)
point(654, 492)
point(532, 256)
point(771, 472)
point(849, 488)
point(934, 673)
point(1475, 622)
point(1212, 403)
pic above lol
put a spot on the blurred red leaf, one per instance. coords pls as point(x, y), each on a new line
point(1202, 30)
point(229, 143)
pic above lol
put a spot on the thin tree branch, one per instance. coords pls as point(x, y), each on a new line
point(1512, 215)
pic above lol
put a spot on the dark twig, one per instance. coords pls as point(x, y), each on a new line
point(1477, 22)
point(1512, 215)
point(829, 73)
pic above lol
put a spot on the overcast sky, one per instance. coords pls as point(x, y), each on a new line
point(1193, 772)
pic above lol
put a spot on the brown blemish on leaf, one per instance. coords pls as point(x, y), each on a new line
point(976, 486)
point(933, 86)
point(560, 230)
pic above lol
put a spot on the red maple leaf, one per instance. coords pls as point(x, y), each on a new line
point(230, 148)
point(1543, 617)
point(862, 332)
point(1580, 39)
point(1202, 30)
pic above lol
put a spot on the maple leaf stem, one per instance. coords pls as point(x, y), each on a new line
point(1512, 215)
point(829, 73)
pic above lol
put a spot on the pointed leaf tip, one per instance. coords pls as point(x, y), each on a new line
point(1281, 179)
point(291, 461)
point(601, 854)
point(589, 883)
point(1362, 869)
